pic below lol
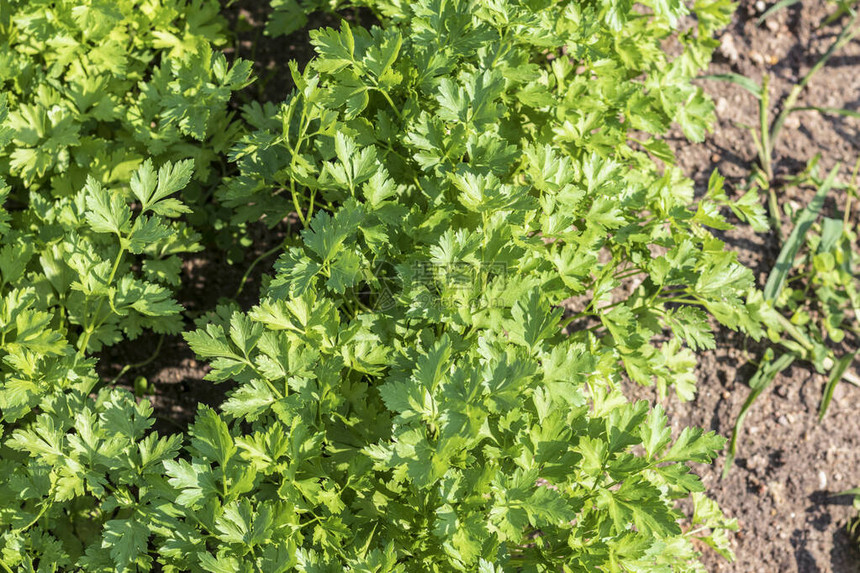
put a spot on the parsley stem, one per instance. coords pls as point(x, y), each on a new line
point(256, 261)
point(296, 204)
point(5, 567)
point(90, 329)
point(45, 506)
point(311, 203)
point(247, 362)
point(303, 126)
point(681, 300)
point(628, 274)
point(791, 329)
point(393, 107)
point(254, 559)
point(141, 364)
point(695, 531)
point(672, 291)
point(582, 314)
point(852, 190)
point(388, 99)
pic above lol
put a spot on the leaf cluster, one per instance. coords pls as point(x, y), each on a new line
point(494, 237)
point(814, 286)
point(94, 88)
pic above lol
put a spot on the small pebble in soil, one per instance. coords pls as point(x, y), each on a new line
point(757, 58)
point(772, 25)
point(776, 490)
point(792, 122)
point(838, 392)
point(837, 477)
point(728, 48)
point(822, 480)
point(760, 6)
point(783, 421)
point(757, 462)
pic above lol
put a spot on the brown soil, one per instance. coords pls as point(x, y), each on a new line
point(788, 466)
point(175, 375)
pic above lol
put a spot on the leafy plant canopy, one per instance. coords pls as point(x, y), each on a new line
point(493, 235)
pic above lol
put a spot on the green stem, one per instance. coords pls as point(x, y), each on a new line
point(773, 211)
point(303, 127)
point(669, 291)
point(311, 204)
point(695, 531)
point(296, 203)
point(90, 328)
point(852, 190)
point(391, 103)
point(247, 362)
point(141, 364)
point(257, 261)
point(845, 36)
point(795, 333)
point(765, 156)
point(766, 147)
point(680, 300)
point(628, 274)
point(35, 520)
point(254, 559)
point(566, 322)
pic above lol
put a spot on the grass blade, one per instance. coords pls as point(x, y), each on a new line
point(844, 8)
point(781, 5)
point(776, 279)
point(737, 79)
point(829, 110)
point(846, 35)
point(759, 383)
point(835, 377)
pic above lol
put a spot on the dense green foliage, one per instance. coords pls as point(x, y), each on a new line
point(95, 87)
point(817, 289)
point(289, 16)
point(494, 235)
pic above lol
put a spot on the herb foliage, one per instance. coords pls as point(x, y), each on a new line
point(493, 236)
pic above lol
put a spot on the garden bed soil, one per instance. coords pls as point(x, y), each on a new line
point(789, 467)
